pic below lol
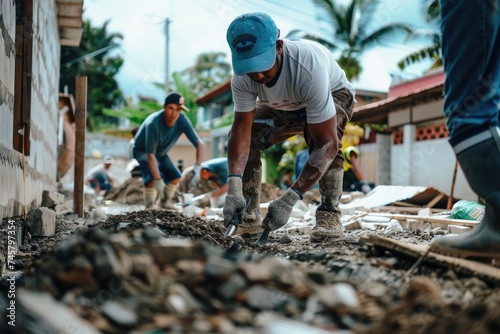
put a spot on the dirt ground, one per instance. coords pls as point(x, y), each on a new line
point(393, 297)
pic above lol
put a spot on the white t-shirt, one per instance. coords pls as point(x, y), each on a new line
point(308, 76)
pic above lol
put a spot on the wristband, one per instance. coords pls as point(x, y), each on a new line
point(236, 175)
point(298, 193)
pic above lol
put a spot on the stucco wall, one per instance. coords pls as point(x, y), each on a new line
point(429, 163)
point(41, 164)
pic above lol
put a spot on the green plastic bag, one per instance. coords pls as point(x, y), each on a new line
point(467, 210)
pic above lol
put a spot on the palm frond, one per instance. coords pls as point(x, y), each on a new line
point(430, 52)
point(386, 32)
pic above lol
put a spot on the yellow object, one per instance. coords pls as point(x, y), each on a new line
point(347, 156)
point(96, 154)
point(352, 135)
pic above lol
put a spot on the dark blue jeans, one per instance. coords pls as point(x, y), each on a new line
point(168, 171)
point(471, 51)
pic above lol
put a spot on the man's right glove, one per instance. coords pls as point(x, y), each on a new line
point(235, 202)
point(159, 185)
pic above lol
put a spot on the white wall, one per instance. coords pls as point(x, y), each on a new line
point(431, 163)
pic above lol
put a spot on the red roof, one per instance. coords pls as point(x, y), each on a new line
point(429, 80)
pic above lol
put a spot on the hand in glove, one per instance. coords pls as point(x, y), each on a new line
point(196, 175)
point(159, 185)
point(279, 210)
point(235, 202)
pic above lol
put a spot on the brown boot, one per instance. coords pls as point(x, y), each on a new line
point(149, 198)
point(166, 200)
point(328, 225)
point(252, 183)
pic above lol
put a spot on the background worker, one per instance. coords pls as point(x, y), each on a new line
point(287, 179)
point(282, 88)
point(154, 139)
point(99, 178)
point(353, 176)
point(471, 52)
point(212, 182)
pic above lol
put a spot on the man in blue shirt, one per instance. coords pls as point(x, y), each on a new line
point(154, 139)
point(212, 182)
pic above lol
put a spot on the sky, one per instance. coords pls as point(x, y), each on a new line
point(199, 26)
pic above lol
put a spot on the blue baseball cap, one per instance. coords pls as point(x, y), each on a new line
point(252, 39)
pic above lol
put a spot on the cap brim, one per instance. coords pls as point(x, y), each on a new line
point(184, 107)
point(260, 63)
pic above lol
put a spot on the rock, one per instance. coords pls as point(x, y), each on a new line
point(51, 198)
point(41, 222)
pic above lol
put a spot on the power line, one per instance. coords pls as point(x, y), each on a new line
point(89, 55)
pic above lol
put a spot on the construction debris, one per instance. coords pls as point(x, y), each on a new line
point(149, 271)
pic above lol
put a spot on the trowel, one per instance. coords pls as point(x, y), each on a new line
point(265, 235)
point(238, 218)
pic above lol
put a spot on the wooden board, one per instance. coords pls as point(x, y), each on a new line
point(487, 272)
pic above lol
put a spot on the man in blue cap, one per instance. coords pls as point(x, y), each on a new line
point(156, 136)
point(282, 88)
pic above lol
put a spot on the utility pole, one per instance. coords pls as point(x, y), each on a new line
point(167, 38)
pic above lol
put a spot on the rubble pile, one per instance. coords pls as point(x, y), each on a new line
point(118, 282)
point(156, 271)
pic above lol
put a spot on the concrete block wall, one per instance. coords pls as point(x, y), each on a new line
point(41, 164)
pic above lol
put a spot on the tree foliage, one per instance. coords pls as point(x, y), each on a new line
point(209, 70)
point(431, 51)
point(92, 59)
point(353, 31)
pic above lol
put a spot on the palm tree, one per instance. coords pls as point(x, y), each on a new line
point(209, 70)
point(92, 59)
point(432, 51)
point(351, 31)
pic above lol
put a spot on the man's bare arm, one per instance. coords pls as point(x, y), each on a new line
point(326, 148)
point(238, 146)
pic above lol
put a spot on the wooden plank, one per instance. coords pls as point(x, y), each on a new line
point(479, 269)
point(398, 209)
point(461, 222)
point(406, 204)
point(435, 200)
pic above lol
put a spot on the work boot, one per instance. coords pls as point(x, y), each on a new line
point(479, 158)
point(328, 226)
point(252, 183)
point(149, 198)
point(166, 199)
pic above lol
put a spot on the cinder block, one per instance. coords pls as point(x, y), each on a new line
point(42, 222)
point(457, 229)
point(51, 198)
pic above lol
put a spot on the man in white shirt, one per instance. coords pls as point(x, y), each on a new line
point(282, 88)
point(99, 177)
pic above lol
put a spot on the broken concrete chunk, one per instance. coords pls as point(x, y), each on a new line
point(41, 222)
point(51, 198)
point(457, 229)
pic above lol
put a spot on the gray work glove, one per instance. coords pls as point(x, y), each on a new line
point(235, 202)
point(279, 210)
point(159, 185)
point(196, 175)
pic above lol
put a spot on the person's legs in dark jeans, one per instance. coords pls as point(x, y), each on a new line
point(471, 51)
